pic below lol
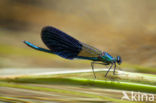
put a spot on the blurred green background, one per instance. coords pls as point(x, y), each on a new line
point(125, 28)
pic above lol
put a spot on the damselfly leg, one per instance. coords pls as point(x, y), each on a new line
point(114, 69)
point(109, 69)
point(92, 65)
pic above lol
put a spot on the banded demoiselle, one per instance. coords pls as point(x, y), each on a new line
point(62, 44)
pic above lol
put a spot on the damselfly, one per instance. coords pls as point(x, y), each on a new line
point(61, 44)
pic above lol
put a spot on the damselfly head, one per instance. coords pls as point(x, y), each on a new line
point(119, 60)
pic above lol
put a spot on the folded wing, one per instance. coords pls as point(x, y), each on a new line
point(66, 46)
point(60, 43)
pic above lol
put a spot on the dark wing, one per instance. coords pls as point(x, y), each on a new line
point(60, 43)
point(66, 46)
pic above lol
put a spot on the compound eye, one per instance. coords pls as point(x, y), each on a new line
point(119, 60)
